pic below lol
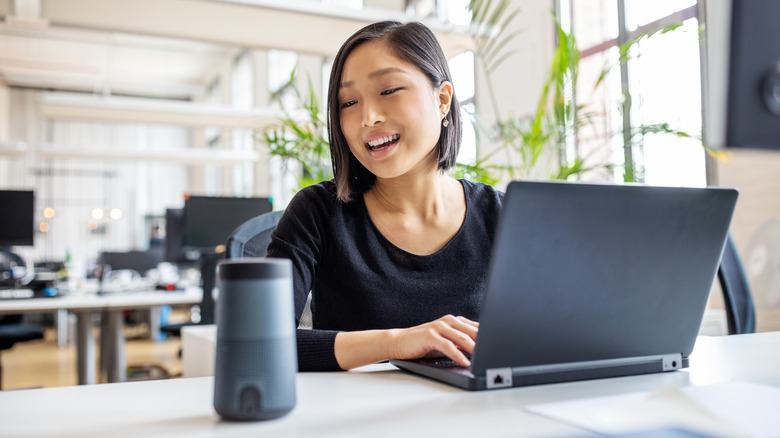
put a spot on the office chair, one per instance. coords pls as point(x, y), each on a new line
point(740, 311)
point(251, 239)
point(13, 330)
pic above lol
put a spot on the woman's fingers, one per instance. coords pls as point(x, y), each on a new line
point(449, 336)
point(461, 334)
point(468, 321)
point(455, 353)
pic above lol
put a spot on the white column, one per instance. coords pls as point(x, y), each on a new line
point(262, 98)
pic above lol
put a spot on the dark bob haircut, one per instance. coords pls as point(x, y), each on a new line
point(415, 44)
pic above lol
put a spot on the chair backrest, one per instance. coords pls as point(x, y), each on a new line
point(740, 312)
point(251, 238)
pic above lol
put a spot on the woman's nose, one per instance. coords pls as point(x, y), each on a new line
point(372, 114)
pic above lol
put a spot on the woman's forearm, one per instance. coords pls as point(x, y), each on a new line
point(355, 349)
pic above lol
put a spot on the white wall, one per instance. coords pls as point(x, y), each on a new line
point(518, 81)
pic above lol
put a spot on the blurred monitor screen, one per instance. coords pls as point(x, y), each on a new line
point(17, 217)
point(209, 220)
point(753, 119)
point(138, 261)
point(174, 244)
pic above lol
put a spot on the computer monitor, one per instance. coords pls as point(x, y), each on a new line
point(174, 240)
point(753, 119)
point(209, 220)
point(138, 261)
point(17, 217)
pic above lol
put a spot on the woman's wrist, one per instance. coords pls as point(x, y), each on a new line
point(355, 349)
point(390, 343)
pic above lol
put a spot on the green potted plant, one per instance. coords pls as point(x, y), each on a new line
point(301, 136)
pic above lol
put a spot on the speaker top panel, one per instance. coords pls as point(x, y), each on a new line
point(254, 268)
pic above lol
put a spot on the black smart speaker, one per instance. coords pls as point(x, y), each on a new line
point(256, 360)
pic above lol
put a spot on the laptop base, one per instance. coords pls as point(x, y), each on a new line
point(441, 370)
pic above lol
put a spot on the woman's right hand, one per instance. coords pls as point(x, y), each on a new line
point(449, 336)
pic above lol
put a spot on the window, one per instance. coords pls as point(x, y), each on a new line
point(457, 12)
point(242, 97)
point(212, 174)
point(349, 4)
point(657, 89)
point(281, 64)
point(462, 70)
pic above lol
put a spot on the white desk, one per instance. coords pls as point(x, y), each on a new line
point(376, 401)
point(112, 340)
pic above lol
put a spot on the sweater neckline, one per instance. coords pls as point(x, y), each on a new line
point(466, 195)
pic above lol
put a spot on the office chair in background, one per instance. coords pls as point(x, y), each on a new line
point(13, 330)
point(251, 239)
point(740, 311)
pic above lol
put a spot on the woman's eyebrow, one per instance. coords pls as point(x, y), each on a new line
point(376, 74)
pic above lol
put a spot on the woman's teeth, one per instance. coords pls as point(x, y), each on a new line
point(381, 143)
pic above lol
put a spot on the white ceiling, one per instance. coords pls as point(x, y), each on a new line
point(101, 62)
point(165, 48)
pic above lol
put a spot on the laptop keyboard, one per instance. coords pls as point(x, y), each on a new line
point(445, 362)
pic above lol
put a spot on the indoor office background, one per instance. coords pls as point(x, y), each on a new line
point(114, 110)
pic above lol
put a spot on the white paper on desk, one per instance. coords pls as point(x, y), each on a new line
point(733, 409)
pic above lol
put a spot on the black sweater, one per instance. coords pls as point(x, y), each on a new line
point(361, 281)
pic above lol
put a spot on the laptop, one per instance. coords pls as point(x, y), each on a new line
point(590, 281)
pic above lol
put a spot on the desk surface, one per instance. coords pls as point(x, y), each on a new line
point(93, 301)
point(373, 401)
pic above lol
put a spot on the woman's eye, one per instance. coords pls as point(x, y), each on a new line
point(390, 91)
point(348, 103)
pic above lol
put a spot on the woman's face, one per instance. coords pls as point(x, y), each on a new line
point(390, 113)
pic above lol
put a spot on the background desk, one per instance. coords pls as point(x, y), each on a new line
point(110, 306)
point(376, 401)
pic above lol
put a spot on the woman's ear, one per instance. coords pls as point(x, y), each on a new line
point(445, 97)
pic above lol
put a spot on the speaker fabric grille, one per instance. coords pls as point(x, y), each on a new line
point(269, 365)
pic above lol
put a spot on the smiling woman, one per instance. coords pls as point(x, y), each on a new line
point(393, 250)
